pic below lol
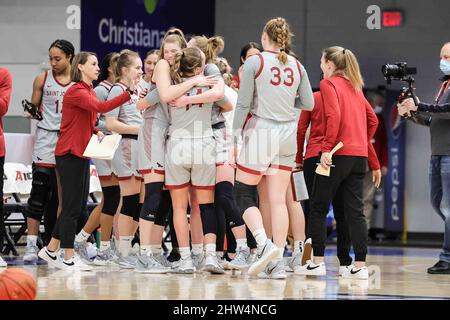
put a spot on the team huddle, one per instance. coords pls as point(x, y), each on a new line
point(205, 152)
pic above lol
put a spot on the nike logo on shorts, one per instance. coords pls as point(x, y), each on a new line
point(39, 158)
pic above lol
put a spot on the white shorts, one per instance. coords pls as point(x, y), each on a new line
point(44, 148)
point(267, 143)
point(151, 145)
point(125, 162)
point(224, 144)
point(190, 162)
point(104, 168)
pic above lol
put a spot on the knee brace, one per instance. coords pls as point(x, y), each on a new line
point(151, 201)
point(41, 191)
point(209, 220)
point(221, 227)
point(130, 205)
point(224, 198)
point(164, 207)
point(246, 196)
point(111, 200)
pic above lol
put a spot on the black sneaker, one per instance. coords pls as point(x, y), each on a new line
point(441, 267)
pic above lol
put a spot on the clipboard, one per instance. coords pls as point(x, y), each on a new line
point(104, 149)
point(298, 185)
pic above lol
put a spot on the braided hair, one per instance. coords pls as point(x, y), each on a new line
point(185, 63)
point(65, 46)
point(279, 33)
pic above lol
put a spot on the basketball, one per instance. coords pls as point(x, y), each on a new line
point(17, 284)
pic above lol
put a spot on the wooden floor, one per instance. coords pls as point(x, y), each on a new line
point(395, 273)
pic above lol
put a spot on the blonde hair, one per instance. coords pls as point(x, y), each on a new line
point(123, 60)
point(185, 63)
point(211, 47)
point(79, 58)
point(346, 63)
point(278, 31)
point(173, 35)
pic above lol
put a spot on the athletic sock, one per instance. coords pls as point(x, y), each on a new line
point(260, 237)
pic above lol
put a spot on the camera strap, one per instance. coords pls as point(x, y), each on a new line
point(444, 88)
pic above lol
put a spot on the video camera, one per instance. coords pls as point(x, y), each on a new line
point(401, 72)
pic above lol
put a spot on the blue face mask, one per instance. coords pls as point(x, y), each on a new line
point(445, 67)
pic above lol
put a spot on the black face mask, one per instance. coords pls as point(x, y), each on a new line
point(321, 76)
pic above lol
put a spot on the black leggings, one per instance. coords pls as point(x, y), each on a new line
point(74, 175)
point(345, 186)
point(343, 235)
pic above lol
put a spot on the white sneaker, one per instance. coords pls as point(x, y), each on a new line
point(91, 250)
point(31, 253)
point(103, 258)
point(344, 269)
point(251, 258)
point(185, 266)
point(311, 269)
point(53, 258)
point(265, 254)
point(274, 271)
point(294, 261)
point(240, 260)
point(75, 263)
point(356, 273)
point(212, 265)
point(147, 264)
point(3, 263)
point(198, 260)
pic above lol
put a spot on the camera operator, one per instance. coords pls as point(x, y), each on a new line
point(439, 124)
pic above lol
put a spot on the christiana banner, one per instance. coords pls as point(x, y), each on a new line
point(139, 25)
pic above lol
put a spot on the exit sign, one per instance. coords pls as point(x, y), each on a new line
point(393, 18)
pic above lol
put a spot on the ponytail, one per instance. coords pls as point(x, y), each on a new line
point(211, 47)
point(346, 63)
point(124, 60)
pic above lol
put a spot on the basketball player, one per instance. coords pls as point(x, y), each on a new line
point(282, 85)
point(126, 120)
point(190, 161)
point(48, 91)
point(152, 140)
